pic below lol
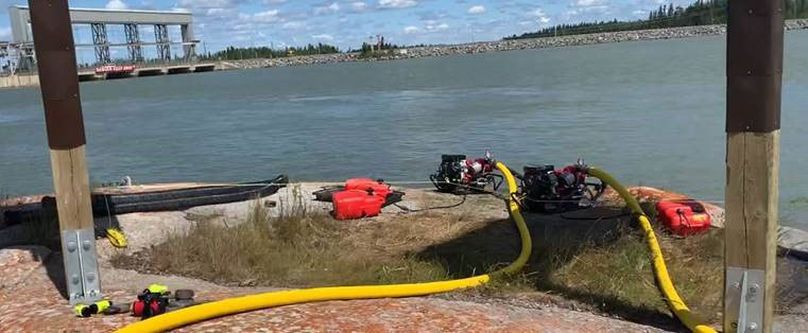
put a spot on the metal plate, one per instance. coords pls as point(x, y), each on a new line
point(81, 266)
point(744, 292)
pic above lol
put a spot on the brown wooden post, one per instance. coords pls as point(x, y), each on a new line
point(58, 77)
point(754, 78)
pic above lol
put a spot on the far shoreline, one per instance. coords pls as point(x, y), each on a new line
point(29, 80)
point(496, 46)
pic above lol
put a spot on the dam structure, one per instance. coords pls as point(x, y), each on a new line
point(138, 54)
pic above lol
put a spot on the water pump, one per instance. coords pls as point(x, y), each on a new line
point(460, 175)
point(545, 189)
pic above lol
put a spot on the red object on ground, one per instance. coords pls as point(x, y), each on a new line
point(377, 187)
point(139, 308)
point(683, 217)
point(356, 204)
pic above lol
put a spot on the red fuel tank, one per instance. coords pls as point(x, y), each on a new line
point(378, 187)
point(683, 217)
point(356, 204)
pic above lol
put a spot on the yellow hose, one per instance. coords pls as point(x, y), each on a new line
point(241, 304)
point(664, 283)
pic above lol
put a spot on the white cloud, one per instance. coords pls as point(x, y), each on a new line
point(639, 12)
point(273, 2)
point(323, 36)
point(590, 3)
point(397, 3)
point(332, 8)
point(116, 4)
point(293, 25)
point(411, 30)
point(433, 26)
point(359, 6)
point(540, 16)
point(268, 16)
point(208, 3)
point(479, 9)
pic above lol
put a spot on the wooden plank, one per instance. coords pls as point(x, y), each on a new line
point(752, 194)
point(71, 184)
point(734, 226)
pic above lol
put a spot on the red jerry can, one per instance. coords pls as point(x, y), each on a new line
point(356, 204)
point(378, 187)
point(683, 217)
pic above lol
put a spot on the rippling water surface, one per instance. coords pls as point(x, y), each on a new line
point(650, 112)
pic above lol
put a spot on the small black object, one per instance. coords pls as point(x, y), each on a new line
point(184, 294)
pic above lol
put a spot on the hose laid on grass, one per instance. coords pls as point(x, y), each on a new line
point(663, 279)
point(247, 303)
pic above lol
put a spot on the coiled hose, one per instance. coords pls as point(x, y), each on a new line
point(247, 303)
point(663, 279)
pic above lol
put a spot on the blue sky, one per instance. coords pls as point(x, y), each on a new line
point(347, 23)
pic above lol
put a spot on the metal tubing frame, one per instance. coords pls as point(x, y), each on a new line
point(162, 41)
point(133, 42)
point(101, 42)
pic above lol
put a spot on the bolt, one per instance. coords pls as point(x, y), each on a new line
point(753, 289)
point(737, 285)
point(752, 326)
point(86, 245)
point(734, 324)
point(750, 12)
point(748, 72)
point(71, 246)
point(75, 279)
point(90, 277)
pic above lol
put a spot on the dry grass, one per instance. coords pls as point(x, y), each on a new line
point(600, 265)
point(297, 248)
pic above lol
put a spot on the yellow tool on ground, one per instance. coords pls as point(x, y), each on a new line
point(116, 237)
point(156, 288)
point(84, 310)
point(241, 304)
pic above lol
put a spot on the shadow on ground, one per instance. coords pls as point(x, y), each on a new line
point(557, 239)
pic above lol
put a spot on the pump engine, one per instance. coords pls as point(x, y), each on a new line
point(460, 175)
point(548, 190)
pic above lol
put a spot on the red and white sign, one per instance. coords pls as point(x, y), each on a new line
point(114, 69)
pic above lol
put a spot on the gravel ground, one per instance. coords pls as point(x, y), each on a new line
point(32, 304)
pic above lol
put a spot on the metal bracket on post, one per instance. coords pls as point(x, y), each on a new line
point(744, 291)
point(81, 266)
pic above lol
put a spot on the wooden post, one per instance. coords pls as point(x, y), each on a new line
point(754, 76)
point(58, 76)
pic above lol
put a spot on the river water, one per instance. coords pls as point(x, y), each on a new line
point(650, 112)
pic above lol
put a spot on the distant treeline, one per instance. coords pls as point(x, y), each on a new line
point(234, 53)
point(666, 16)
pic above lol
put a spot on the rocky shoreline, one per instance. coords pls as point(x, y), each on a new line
point(497, 46)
